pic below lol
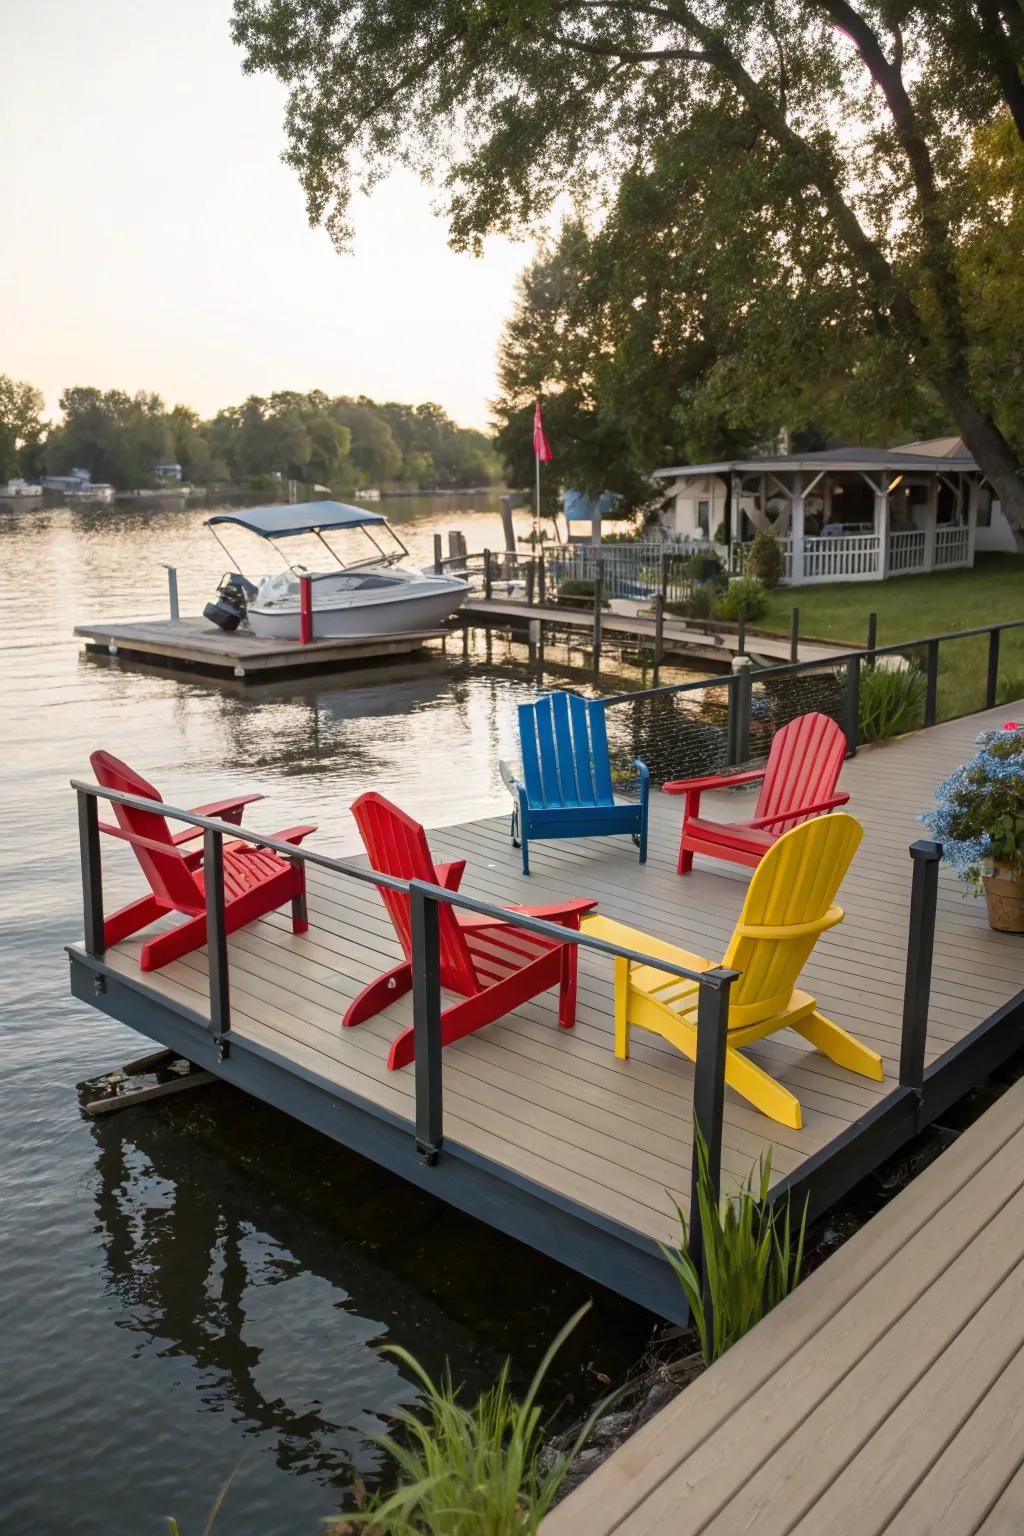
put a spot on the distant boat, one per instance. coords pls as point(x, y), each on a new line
point(19, 490)
point(370, 494)
point(79, 487)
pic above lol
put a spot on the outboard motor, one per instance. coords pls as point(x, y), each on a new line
point(234, 592)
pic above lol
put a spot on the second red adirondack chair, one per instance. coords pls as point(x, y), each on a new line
point(492, 965)
point(800, 780)
point(256, 880)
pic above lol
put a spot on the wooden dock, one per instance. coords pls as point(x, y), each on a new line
point(547, 1135)
point(197, 645)
point(885, 1395)
point(680, 637)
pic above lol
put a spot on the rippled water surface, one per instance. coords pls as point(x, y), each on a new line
point(197, 1290)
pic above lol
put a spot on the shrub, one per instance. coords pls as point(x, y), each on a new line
point(749, 1257)
point(720, 535)
point(472, 1471)
point(891, 701)
point(745, 592)
point(578, 592)
point(765, 559)
point(701, 603)
point(704, 568)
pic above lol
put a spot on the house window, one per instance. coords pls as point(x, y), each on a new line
point(704, 517)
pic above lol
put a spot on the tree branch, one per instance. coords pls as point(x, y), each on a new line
point(1005, 66)
point(621, 55)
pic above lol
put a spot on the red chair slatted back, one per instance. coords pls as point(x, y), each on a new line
point(803, 768)
point(169, 877)
point(397, 846)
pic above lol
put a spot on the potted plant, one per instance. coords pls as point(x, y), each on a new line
point(979, 817)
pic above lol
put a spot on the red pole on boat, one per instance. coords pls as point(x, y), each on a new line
point(305, 609)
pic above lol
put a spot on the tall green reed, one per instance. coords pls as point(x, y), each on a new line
point(749, 1257)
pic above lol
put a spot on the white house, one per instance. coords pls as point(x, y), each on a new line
point(846, 514)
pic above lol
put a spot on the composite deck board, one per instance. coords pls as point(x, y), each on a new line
point(556, 1105)
point(886, 1395)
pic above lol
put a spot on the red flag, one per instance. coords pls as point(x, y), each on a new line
point(541, 447)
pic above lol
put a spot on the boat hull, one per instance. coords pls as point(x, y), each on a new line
point(340, 619)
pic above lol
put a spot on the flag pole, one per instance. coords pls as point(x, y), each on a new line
point(536, 501)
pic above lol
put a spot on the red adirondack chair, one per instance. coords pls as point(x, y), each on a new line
point(800, 780)
point(492, 965)
point(256, 880)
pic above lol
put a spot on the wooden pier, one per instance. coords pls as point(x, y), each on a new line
point(687, 638)
point(195, 645)
point(885, 1395)
point(546, 1135)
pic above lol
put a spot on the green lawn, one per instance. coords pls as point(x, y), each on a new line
point(914, 607)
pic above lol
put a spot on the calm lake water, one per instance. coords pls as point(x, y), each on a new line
point(198, 1290)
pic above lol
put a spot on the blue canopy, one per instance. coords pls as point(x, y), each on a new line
point(305, 517)
point(578, 507)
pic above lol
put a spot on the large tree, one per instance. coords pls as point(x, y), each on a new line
point(864, 111)
point(21, 426)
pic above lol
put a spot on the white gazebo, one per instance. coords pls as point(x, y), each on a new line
point(846, 514)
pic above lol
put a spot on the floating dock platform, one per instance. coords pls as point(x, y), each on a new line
point(547, 1136)
point(195, 645)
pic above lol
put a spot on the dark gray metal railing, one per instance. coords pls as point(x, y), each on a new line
point(714, 986)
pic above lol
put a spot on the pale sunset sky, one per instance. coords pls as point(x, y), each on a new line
point(152, 239)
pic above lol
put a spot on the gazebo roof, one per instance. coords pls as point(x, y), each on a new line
point(935, 455)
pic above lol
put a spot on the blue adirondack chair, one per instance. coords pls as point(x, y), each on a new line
point(568, 788)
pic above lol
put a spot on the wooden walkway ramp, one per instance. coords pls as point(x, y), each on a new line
point(885, 1395)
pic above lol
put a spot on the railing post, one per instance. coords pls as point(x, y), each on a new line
point(217, 940)
point(708, 1103)
point(659, 632)
point(438, 555)
point(488, 576)
point(741, 631)
point(663, 560)
point(172, 591)
point(992, 685)
point(540, 578)
point(737, 745)
point(598, 600)
point(931, 683)
point(531, 576)
point(869, 655)
point(92, 872)
point(920, 945)
point(794, 635)
point(305, 609)
point(426, 1022)
point(852, 705)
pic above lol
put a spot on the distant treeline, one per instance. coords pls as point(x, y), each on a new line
point(330, 439)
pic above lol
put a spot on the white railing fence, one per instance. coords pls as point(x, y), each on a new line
point(630, 570)
point(906, 551)
point(952, 546)
point(842, 557)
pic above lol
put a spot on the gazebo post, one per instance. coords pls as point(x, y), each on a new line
point(796, 531)
point(882, 524)
point(972, 515)
point(931, 519)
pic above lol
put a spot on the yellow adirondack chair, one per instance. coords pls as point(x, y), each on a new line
point(789, 904)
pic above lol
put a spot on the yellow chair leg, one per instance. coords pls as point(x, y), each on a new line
point(761, 1090)
point(840, 1047)
point(622, 1009)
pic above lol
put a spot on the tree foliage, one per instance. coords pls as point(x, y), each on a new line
point(21, 427)
point(828, 141)
point(313, 437)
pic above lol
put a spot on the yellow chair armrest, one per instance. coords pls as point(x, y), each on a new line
point(645, 943)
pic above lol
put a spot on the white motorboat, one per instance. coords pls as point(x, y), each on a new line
point(379, 596)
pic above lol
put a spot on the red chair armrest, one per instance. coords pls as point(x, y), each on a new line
point(801, 810)
point(294, 834)
point(450, 875)
point(567, 913)
point(711, 781)
point(229, 809)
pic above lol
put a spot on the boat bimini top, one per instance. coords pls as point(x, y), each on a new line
point(317, 518)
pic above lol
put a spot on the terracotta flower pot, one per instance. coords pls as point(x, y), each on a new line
point(1004, 896)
